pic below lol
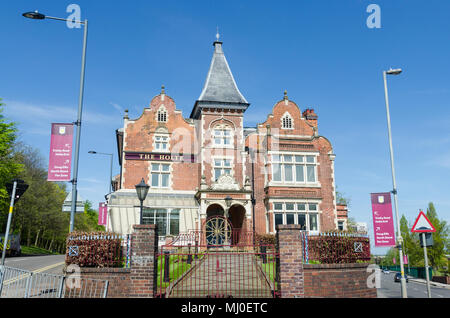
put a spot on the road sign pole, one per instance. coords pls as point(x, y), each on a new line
point(426, 265)
point(11, 207)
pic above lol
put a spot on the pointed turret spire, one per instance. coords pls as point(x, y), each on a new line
point(220, 89)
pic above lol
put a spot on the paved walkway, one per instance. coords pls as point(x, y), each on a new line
point(224, 274)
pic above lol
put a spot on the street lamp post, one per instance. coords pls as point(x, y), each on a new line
point(142, 190)
point(110, 166)
point(39, 16)
point(394, 190)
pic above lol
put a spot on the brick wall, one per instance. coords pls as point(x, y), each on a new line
point(337, 281)
point(137, 281)
point(119, 283)
point(289, 266)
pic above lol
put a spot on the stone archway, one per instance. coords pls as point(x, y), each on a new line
point(218, 230)
point(214, 210)
point(236, 215)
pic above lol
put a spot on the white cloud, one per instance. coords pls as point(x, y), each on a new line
point(23, 112)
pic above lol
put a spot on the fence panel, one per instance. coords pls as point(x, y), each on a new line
point(18, 283)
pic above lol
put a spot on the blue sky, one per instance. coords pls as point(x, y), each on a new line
point(321, 52)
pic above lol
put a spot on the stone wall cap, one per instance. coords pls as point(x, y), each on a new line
point(289, 227)
point(144, 226)
point(336, 266)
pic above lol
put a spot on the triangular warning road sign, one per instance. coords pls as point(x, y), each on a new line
point(422, 224)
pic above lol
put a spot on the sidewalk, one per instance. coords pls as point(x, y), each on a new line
point(424, 281)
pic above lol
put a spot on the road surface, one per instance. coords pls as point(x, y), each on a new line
point(414, 289)
point(52, 264)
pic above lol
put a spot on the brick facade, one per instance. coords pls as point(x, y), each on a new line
point(287, 131)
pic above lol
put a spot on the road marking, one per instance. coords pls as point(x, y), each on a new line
point(39, 270)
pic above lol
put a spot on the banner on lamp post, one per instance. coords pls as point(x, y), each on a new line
point(383, 221)
point(102, 213)
point(60, 160)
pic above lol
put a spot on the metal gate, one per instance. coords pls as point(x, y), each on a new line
point(228, 266)
point(19, 283)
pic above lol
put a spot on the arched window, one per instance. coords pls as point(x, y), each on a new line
point(287, 122)
point(162, 115)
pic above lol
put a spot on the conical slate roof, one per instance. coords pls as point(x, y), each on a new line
point(220, 89)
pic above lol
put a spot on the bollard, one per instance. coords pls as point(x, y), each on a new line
point(166, 266)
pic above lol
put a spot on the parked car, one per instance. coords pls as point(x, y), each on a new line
point(13, 247)
point(398, 276)
point(386, 271)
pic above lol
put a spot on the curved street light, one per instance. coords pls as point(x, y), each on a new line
point(110, 167)
point(394, 190)
point(39, 16)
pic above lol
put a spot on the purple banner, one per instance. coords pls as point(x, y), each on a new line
point(102, 213)
point(60, 159)
point(159, 156)
point(383, 222)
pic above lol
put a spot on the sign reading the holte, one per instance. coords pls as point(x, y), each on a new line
point(60, 159)
point(153, 156)
point(383, 223)
point(422, 224)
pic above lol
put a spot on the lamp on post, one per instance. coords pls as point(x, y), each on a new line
point(394, 190)
point(142, 190)
point(110, 167)
point(39, 16)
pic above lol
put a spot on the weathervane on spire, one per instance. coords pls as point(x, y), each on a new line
point(217, 34)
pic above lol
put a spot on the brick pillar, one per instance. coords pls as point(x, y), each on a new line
point(144, 248)
point(290, 265)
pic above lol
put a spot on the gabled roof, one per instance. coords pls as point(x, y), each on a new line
point(220, 89)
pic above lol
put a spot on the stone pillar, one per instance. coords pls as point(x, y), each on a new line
point(144, 248)
point(290, 265)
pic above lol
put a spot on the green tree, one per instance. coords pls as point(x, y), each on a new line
point(341, 198)
point(436, 253)
point(9, 168)
point(38, 217)
point(87, 221)
point(411, 246)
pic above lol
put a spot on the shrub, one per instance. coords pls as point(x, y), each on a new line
point(95, 249)
point(265, 239)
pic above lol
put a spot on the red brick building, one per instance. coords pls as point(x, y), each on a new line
point(208, 171)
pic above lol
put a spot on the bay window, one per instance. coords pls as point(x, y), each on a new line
point(302, 213)
point(295, 169)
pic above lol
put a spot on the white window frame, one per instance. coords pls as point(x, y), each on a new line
point(168, 215)
point(287, 117)
point(222, 167)
point(307, 212)
point(222, 129)
point(160, 172)
point(161, 112)
point(282, 163)
point(156, 142)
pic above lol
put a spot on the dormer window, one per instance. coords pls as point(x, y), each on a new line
point(287, 122)
point(162, 115)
